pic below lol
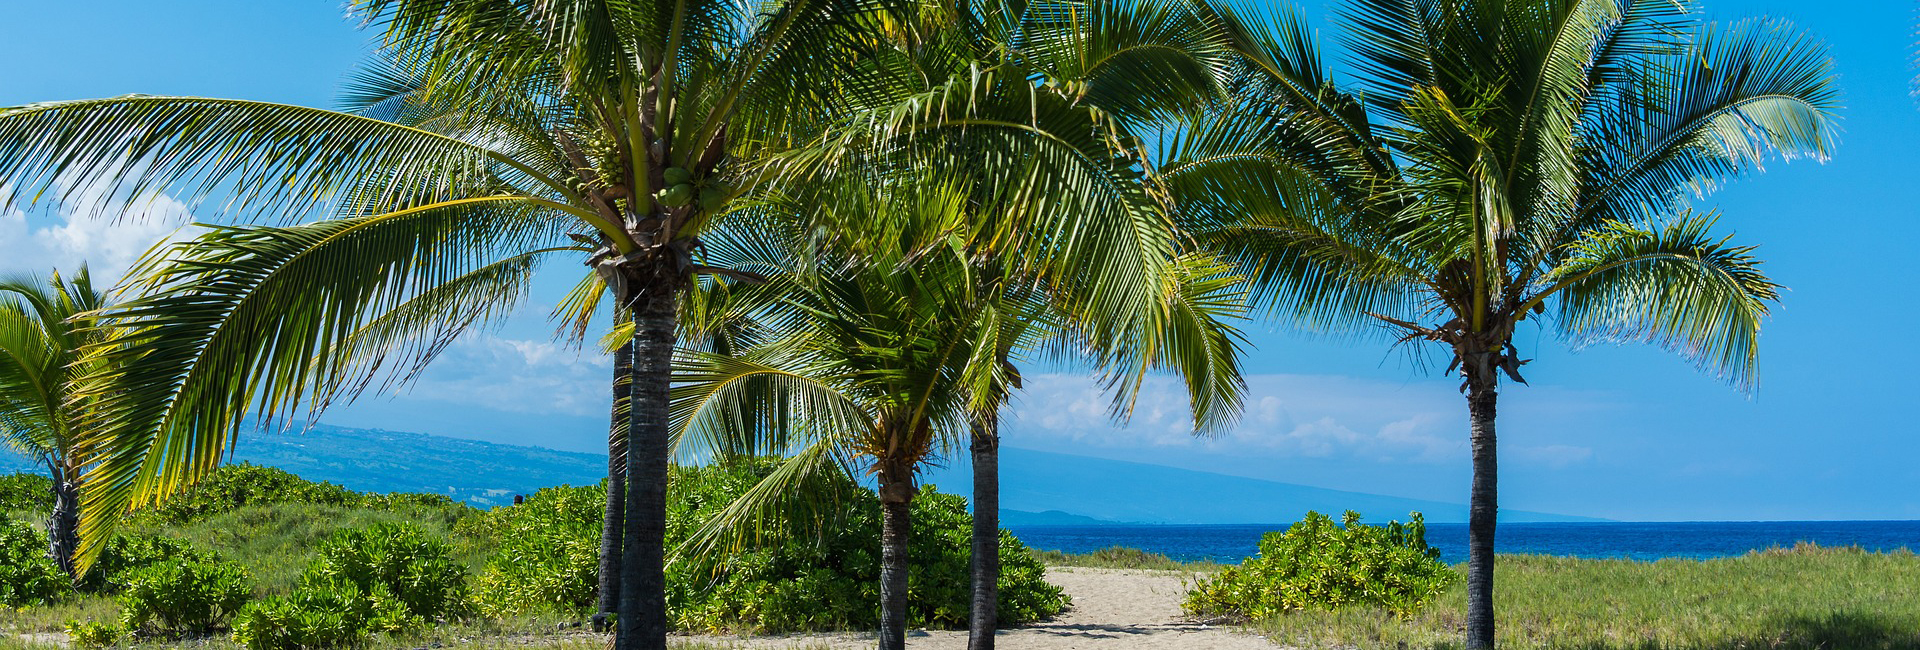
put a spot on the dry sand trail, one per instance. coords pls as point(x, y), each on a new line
point(1117, 609)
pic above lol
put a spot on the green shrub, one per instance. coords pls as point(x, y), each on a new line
point(182, 596)
point(126, 553)
point(232, 486)
point(25, 491)
point(546, 554)
point(27, 575)
point(336, 617)
point(1316, 564)
point(90, 634)
point(392, 560)
point(794, 577)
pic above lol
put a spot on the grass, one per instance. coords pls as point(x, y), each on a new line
point(1120, 557)
point(1806, 597)
point(276, 542)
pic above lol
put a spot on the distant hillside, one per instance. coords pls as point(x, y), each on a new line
point(1115, 491)
point(373, 460)
point(1037, 488)
point(1049, 518)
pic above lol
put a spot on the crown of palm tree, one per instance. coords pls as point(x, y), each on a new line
point(1505, 159)
point(41, 336)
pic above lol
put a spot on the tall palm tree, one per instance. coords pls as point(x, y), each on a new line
point(42, 333)
point(1506, 162)
point(613, 122)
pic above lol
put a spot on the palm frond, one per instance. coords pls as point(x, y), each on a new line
point(268, 158)
point(246, 320)
point(1676, 286)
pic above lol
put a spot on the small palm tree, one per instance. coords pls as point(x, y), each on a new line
point(42, 332)
point(880, 349)
point(1507, 162)
point(871, 361)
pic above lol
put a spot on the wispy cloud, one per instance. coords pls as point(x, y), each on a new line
point(1302, 416)
point(514, 375)
point(82, 230)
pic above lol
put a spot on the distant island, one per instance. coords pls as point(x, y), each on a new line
point(1037, 488)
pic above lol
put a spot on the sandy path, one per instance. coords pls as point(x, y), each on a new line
point(1112, 608)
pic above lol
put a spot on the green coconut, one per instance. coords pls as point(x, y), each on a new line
point(712, 198)
point(676, 176)
point(677, 195)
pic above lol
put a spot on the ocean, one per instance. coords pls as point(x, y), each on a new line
point(1229, 543)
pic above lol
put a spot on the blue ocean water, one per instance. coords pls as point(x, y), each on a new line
point(1229, 543)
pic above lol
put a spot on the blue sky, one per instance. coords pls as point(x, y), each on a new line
point(1620, 432)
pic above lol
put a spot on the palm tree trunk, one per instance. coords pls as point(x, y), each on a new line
point(1484, 509)
point(643, 602)
point(613, 524)
point(896, 528)
point(986, 533)
point(63, 525)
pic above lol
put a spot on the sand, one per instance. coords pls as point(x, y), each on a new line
point(1118, 609)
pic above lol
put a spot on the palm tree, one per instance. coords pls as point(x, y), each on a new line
point(1506, 162)
point(871, 362)
point(42, 333)
point(875, 348)
point(1061, 70)
point(499, 130)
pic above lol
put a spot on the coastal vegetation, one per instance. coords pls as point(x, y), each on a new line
point(275, 561)
point(1316, 564)
point(1800, 598)
point(844, 266)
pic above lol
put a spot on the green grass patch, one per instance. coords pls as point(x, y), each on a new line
point(1120, 557)
point(276, 541)
point(1804, 598)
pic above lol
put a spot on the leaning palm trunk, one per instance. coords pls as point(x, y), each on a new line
point(1484, 510)
point(615, 520)
point(986, 533)
point(896, 528)
point(63, 525)
point(643, 607)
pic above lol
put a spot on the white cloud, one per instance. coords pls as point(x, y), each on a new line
point(1302, 416)
point(80, 230)
point(518, 376)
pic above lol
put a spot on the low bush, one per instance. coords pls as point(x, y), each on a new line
point(380, 579)
point(25, 492)
point(90, 634)
point(392, 560)
point(341, 616)
point(546, 556)
point(1121, 557)
point(277, 541)
point(127, 553)
point(183, 596)
point(1316, 564)
point(27, 575)
point(796, 576)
